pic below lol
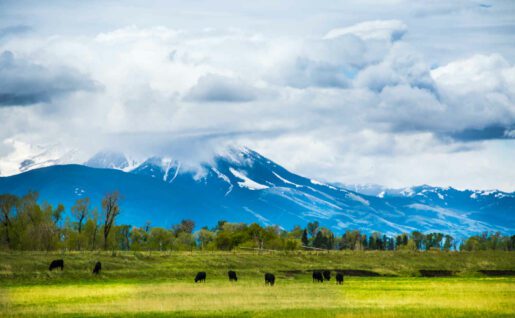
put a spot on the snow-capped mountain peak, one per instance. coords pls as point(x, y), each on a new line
point(108, 160)
point(240, 185)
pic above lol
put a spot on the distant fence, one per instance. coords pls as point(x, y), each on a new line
point(258, 249)
point(316, 249)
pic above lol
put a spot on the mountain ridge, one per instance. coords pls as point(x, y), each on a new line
point(243, 186)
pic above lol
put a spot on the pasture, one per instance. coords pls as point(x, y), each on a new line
point(161, 284)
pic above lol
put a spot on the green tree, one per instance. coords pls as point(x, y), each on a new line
point(295, 233)
point(411, 245)
point(160, 239)
point(313, 228)
point(258, 234)
point(204, 237)
point(418, 238)
point(139, 239)
point(448, 242)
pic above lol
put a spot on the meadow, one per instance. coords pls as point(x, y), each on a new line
point(161, 284)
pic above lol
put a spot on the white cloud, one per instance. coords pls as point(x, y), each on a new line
point(479, 73)
point(387, 30)
point(480, 91)
point(402, 65)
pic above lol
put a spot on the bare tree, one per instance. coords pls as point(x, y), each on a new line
point(125, 235)
point(57, 214)
point(187, 226)
point(111, 209)
point(7, 204)
point(80, 211)
point(95, 229)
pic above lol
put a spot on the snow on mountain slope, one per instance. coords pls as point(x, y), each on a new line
point(246, 182)
point(240, 185)
point(108, 160)
point(28, 157)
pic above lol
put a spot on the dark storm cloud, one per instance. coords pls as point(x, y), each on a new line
point(23, 83)
point(487, 133)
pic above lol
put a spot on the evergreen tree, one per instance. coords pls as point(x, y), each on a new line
point(304, 239)
point(319, 240)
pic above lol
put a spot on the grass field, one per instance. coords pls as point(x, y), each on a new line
point(143, 284)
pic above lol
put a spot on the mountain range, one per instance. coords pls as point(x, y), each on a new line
point(243, 186)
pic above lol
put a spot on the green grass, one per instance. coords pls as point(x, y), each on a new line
point(161, 284)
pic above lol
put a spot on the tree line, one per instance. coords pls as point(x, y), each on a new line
point(27, 225)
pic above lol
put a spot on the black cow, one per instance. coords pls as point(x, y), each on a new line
point(327, 275)
point(58, 263)
point(201, 277)
point(98, 267)
point(317, 277)
point(232, 276)
point(339, 278)
point(269, 279)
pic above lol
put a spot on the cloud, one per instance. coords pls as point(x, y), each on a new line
point(304, 72)
point(468, 100)
point(14, 30)
point(401, 66)
point(217, 88)
point(349, 95)
point(325, 63)
point(387, 30)
point(408, 108)
point(490, 132)
point(24, 83)
point(480, 92)
point(479, 73)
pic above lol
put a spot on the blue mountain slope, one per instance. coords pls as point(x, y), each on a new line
point(243, 186)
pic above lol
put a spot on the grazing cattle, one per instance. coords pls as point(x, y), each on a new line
point(201, 277)
point(97, 268)
point(232, 276)
point(58, 263)
point(327, 275)
point(269, 279)
point(317, 277)
point(339, 278)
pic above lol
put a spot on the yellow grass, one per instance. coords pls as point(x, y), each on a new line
point(392, 297)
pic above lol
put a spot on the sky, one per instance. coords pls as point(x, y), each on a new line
point(397, 93)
